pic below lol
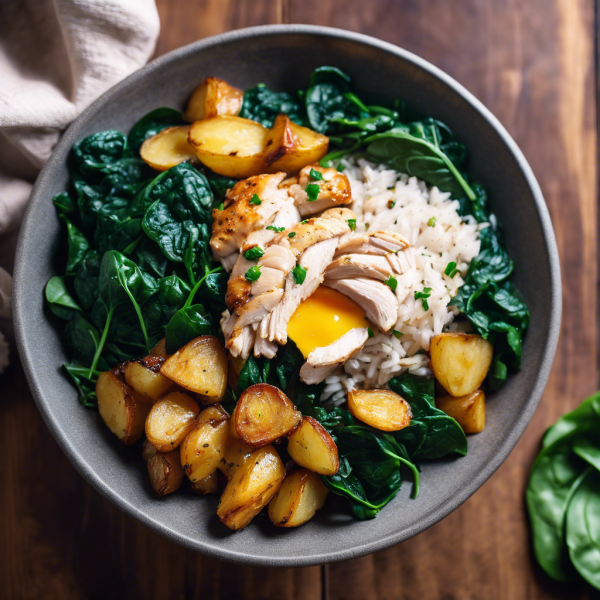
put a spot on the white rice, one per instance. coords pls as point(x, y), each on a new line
point(438, 235)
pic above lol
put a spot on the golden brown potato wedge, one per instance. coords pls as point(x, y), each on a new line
point(251, 487)
point(170, 420)
point(468, 411)
point(122, 409)
point(208, 485)
point(204, 448)
point(213, 97)
point(160, 349)
point(168, 148)
point(145, 378)
point(300, 496)
point(201, 367)
point(263, 414)
point(213, 414)
point(230, 146)
point(165, 472)
point(148, 450)
point(382, 409)
point(290, 147)
point(312, 447)
point(460, 361)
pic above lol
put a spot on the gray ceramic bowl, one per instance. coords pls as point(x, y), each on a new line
point(282, 57)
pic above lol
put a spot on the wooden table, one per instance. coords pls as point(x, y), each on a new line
point(532, 63)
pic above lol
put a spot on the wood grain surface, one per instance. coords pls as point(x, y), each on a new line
point(534, 67)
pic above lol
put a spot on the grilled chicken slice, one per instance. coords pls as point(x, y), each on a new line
point(377, 243)
point(375, 298)
point(233, 224)
point(359, 265)
point(270, 279)
point(334, 190)
point(390, 241)
point(321, 361)
point(263, 347)
point(402, 262)
point(314, 260)
point(311, 232)
point(278, 257)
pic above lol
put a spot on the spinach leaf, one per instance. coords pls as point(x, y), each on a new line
point(586, 417)
point(186, 324)
point(588, 448)
point(251, 374)
point(81, 338)
point(583, 527)
point(219, 185)
point(92, 154)
point(85, 382)
point(78, 248)
point(151, 124)
point(444, 436)
point(59, 300)
point(551, 484)
point(262, 105)
point(170, 296)
point(85, 283)
point(65, 204)
point(308, 404)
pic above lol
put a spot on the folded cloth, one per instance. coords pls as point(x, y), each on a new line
point(56, 57)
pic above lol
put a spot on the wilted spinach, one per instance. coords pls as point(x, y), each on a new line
point(151, 124)
point(262, 105)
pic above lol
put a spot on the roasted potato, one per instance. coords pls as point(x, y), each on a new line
point(460, 361)
point(208, 485)
point(122, 409)
point(201, 367)
point(251, 487)
point(145, 378)
point(312, 447)
point(213, 414)
point(469, 410)
point(160, 349)
point(290, 147)
point(263, 414)
point(204, 448)
point(382, 409)
point(230, 146)
point(213, 97)
point(148, 450)
point(170, 420)
point(300, 496)
point(168, 148)
point(165, 472)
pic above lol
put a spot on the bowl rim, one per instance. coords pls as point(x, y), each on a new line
point(210, 548)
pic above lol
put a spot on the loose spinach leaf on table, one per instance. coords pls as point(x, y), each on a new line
point(585, 417)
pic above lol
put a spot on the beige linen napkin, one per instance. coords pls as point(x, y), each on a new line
point(56, 57)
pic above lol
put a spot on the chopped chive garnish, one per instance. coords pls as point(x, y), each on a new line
point(316, 175)
point(305, 221)
point(431, 222)
point(451, 269)
point(423, 297)
point(312, 190)
point(398, 334)
point(370, 332)
point(292, 234)
point(253, 273)
point(341, 167)
point(299, 274)
point(221, 206)
point(391, 204)
point(255, 200)
point(277, 229)
point(392, 283)
point(352, 224)
point(254, 253)
point(366, 226)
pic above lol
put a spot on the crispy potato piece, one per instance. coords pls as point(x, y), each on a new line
point(160, 349)
point(145, 378)
point(122, 409)
point(208, 485)
point(168, 148)
point(382, 409)
point(204, 448)
point(312, 447)
point(201, 367)
point(170, 420)
point(251, 487)
point(263, 414)
point(460, 361)
point(290, 147)
point(300, 496)
point(213, 414)
point(230, 146)
point(469, 410)
point(148, 450)
point(213, 97)
point(165, 472)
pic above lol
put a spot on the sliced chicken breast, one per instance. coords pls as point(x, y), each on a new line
point(359, 265)
point(391, 241)
point(270, 279)
point(241, 216)
point(402, 262)
point(321, 361)
point(334, 190)
point(278, 257)
point(376, 299)
point(376, 243)
point(314, 260)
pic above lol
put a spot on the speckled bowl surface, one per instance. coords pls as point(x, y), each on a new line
point(283, 57)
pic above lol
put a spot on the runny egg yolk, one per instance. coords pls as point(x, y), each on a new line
point(323, 318)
